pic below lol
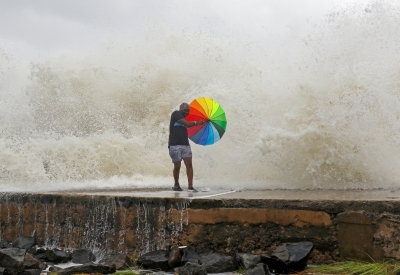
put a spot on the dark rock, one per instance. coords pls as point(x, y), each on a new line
point(31, 262)
point(190, 255)
point(12, 259)
point(191, 269)
point(289, 257)
point(24, 242)
point(54, 269)
point(204, 251)
point(259, 269)
point(121, 261)
point(31, 251)
point(154, 260)
point(57, 256)
point(274, 264)
point(248, 260)
point(88, 268)
point(2, 270)
point(174, 257)
point(218, 263)
point(42, 257)
point(39, 250)
point(82, 256)
point(296, 254)
point(30, 272)
point(5, 244)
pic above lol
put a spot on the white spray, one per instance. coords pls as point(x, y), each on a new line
point(316, 109)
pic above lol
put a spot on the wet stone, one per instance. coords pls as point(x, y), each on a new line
point(88, 268)
point(218, 263)
point(12, 259)
point(259, 269)
point(191, 269)
point(24, 242)
point(82, 256)
point(121, 261)
point(30, 262)
point(154, 260)
point(289, 257)
point(247, 260)
point(174, 257)
point(190, 255)
point(31, 272)
point(57, 256)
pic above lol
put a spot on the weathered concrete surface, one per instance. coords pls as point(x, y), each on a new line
point(356, 224)
point(355, 232)
point(298, 218)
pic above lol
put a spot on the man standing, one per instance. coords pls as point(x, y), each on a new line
point(178, 144)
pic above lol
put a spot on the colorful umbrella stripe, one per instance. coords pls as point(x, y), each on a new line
point(209, 110)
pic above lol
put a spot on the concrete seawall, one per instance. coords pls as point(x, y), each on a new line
point(351, 224)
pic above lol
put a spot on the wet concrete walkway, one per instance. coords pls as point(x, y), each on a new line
point(310, 195)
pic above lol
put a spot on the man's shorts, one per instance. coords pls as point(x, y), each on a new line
point(180, 152)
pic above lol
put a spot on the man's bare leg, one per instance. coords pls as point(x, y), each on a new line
point(177, 168)
point(189, 171)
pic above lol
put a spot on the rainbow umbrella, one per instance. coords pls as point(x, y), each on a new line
point(203, 108)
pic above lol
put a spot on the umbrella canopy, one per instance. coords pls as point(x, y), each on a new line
point(207, 109)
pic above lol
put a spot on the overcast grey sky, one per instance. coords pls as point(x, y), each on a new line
point(46, 27)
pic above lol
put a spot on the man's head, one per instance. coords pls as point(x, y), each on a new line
point(184, 108)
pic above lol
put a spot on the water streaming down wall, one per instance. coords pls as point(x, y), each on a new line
point(316, 107)
point(339, 229)
point(101, 224)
